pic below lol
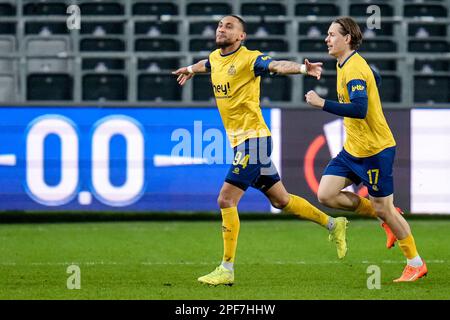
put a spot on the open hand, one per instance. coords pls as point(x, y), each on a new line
point(183, 75)
point(314, 69)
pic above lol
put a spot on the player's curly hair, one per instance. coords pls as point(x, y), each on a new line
point(349, 26)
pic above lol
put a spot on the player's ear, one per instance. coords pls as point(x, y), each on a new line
point(348, 38)
point(242, 36)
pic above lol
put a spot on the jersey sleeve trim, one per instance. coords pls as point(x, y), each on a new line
point(261, 65)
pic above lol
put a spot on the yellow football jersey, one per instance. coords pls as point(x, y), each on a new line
point(236, 85)
point(365, 137)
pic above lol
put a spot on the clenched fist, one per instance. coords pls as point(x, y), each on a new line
point(313, 99)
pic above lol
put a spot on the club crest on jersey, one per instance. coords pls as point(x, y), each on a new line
point(375, 187)
point(232, 70)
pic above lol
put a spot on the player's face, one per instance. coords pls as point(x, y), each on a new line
point(336, 42)
point(228, 32)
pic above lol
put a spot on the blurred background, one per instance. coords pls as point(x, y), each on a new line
point(89, 111)
point(123, 48)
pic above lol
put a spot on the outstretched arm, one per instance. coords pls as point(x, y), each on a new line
point(186, 73)
point(291, 67)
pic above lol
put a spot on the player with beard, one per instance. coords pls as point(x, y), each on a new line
point(235, 76)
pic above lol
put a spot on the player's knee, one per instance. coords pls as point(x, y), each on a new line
point(280, 202)
point(225, 201)
point(381, 210)
point(326, 199)
point(381, 213)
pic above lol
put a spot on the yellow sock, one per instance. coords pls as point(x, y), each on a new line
point(230, 232)
point(303, 209)
point(365, 208)
point(408, 247)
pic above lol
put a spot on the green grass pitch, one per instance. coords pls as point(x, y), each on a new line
point(276, 259)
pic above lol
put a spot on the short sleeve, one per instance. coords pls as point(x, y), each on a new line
point(377, 77)
point(208, 64)
point(261, 65)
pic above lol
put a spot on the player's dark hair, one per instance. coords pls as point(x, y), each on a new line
point(241, 21)
point(349, 26)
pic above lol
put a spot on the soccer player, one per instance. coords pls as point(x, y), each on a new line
point(235, 75)
point(369, 148)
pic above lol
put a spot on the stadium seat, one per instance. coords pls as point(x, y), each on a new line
point(7, 44)
point(382, 64)
point(428, 46)
point(267, 45)
point(390, 89)
point(7, 66)
point(202, 88)
point(104, 87)
point(155, 29)
point(263, 9)
point(52, 65)
point(386, 29)
point(156, 65)
point(313, 29)
point(203, 44)
point(53, 47)
point(8, 28)
point(45, 8)
point(45, 28)
point(425, 10)
point(7, 88)
point(317, 9)
point(43, 45)
point(431, 89)
point(102, 8)
point(102, 44)
point(208, 8)
point(49, 87)
point(276, 88)
point(103, 64)
point(431, 66)
point(425, 30)
point(360, 10)
point(263, 29)
point(378, 45)
point(102, 28)
point(204, 28)
point(309, 45)
point(325, 87)
point(329, 65)
point(155, 8)
point(7, 10)
point(158, 87)
point(159, 44)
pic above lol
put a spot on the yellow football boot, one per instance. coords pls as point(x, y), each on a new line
point(337, 235)
point(219, 276)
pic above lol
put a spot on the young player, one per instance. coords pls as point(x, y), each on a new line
point(235, 75)
point(369, 148)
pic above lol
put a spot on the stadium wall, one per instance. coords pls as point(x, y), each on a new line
point(175, 159)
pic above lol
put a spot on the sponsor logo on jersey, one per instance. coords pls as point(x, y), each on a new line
point(358, 87)
point(222, 88)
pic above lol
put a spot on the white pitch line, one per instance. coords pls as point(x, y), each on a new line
point(149, 263)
